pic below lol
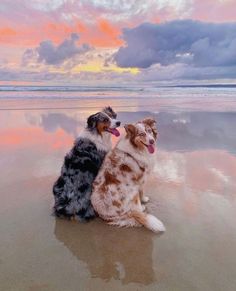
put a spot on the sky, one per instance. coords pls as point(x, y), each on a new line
point(119, 41)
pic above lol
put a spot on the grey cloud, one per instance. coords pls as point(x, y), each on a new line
point(154, 73)
point(184, 71)
point(19, 75)
point(182, 41)
point(51, 54)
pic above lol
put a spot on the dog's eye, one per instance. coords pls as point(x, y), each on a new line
point(106, 120)
point(149, 131)
point(142, 134)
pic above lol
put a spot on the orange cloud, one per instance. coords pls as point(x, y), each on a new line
point(110, 34)
point(106, 28)
point(32, 36)
point(101, 34)
point(57, 32)
point(6, 34)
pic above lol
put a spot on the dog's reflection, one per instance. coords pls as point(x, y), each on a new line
point(110, 252)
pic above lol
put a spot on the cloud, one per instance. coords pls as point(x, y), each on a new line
point(185, 72)
point(66, 55)
point(54, 55)
point(46, 5)
point(197, 43)
point(213, 10)
point(98, 23)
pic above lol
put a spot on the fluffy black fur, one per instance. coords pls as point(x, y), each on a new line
point(72, 190)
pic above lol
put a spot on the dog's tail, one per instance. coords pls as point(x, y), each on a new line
point(138, 218)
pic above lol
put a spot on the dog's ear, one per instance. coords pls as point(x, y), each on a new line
point(110, 112)
point(151, 122)
point(130, 129)
point(92, 121)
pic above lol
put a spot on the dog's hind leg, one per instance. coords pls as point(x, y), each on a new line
point(63, 208)
point(143, 198)
point(85, 214)
point(62, 213)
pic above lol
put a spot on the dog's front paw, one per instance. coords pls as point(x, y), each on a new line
point(145, 199)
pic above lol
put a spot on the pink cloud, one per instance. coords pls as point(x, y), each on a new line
point(29, 22)
point(214, 10)
point(98, 24)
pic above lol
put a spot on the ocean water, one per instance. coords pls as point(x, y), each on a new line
point(220, 97)
point(218, 90)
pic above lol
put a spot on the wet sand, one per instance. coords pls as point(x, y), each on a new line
point(192, 190)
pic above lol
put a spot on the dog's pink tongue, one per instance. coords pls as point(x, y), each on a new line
point(115, 131)
point(151, 149)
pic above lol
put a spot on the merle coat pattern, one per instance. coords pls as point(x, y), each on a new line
point(73, 188)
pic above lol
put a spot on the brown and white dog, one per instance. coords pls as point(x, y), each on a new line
point(118, 188)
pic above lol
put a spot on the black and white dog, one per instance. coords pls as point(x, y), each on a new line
point(73, 188)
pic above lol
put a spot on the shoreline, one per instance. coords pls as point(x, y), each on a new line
point(171, 104)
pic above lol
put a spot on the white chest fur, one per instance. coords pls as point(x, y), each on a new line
point(102, 142)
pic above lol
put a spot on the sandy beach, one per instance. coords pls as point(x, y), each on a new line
point(192, 190)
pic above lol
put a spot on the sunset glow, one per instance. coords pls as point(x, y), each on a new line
point(79, 38)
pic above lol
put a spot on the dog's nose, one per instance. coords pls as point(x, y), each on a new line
point(151, 141)
point(118, 123)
